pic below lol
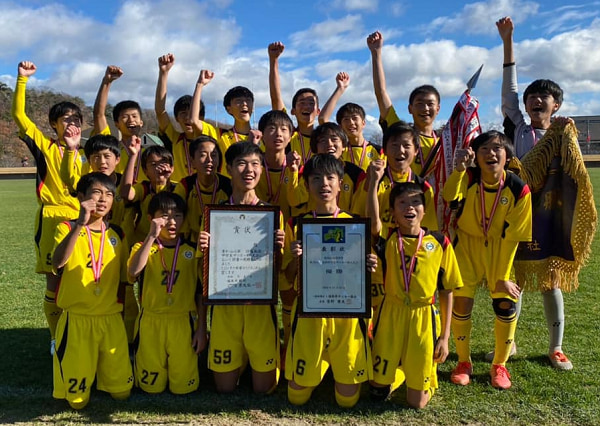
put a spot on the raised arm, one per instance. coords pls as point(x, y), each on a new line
point(111, 74)
point(133, 147)
point(342, 81)
point(506, 29)
point(165, 63)
point(375, 173)
point(275, 50)
point(375, 44)
point(138, 261)
point(25, 70)
point(203, 79)
point(65, 248)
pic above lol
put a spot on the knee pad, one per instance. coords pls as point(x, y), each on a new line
point(347, 401)
point(504, 308)
point(121, 395)
point(299, 396)
point(380, 394)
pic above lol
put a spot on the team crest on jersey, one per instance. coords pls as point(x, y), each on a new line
point(113, 241)
point(83, 159)
point(346, 187)
point(333, 234)
point(503, 201)
point(369, 155)
point(188, 254)
point(118, 198)
point(429, 246)
point(286, 180)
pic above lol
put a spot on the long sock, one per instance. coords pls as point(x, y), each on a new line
point(299, 396)
point(52, 311)
point(504, 330)
point(461, 330)
point(347, 401)
point(554, 309)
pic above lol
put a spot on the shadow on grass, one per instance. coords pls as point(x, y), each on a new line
point(26, 394)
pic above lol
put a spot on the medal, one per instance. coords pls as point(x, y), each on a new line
point(486, 223)
point(96, 262)
point(171, 275)
point(407, 300)
point(169, 300)
point(407, 273)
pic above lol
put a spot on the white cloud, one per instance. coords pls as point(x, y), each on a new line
point(480, 17)
point(356, 5)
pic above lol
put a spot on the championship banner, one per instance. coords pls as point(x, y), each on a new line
point(564, 213)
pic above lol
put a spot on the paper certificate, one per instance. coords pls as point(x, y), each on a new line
point(240, 265)
point(333, 278)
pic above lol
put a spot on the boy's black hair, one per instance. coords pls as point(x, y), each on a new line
point(158, 150)
point(425, 89)
point(242, 149)
point(276, 117)
point(350, 109)
point(544, 86)
point(60, 109)
point(185, 103)
point(101, 142)
point(195, 144)
point(237, 92)
point(86, 182)
point(166, 201)
point(399, 128)
point(122, 106)
point(491, 135)
point(325, 129)
point(411, 188)
point(303, 91)
point(325, 164)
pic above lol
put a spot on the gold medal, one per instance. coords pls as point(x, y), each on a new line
point(97, 290)
point(169, 300)
point(407, 300)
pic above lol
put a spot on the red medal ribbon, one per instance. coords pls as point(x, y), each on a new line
point(214, 193)
point(407, 274)
point(274, 198)
point(96, 262)
point(487, 223)
point(171, 276)
point(362, 156)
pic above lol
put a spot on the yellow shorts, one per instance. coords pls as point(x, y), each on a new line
point(88, 347)
point(164, 353)
point(476, 262)
point(317, 343)
point(243, 332)
point(405, 337)
point(47, 220)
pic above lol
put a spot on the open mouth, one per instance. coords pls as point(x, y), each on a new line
point(410, 216)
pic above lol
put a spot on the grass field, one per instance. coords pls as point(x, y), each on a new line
point(540, 395)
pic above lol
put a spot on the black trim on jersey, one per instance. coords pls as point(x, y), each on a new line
point(40, 162)
point(433, 328)
point(440, 284)
point(354, 172)
point(38, 235)
point(439, 237)
point(135, 344)
point(192, 323)
point(62, 347)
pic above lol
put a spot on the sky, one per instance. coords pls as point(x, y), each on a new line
point(438, 42)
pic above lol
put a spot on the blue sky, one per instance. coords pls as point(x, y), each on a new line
point(438, 42)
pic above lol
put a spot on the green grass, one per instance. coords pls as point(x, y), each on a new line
point(540, 394)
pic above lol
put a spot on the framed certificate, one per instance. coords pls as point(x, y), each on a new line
point(333, 280)
point(240, 266)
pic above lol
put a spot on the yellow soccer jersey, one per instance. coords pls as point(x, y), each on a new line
point(291, 234)
point(188, 188)
point(274, 187)
point(426, 145)
point(512, 218)
point(143, 194)
point(47, 153)
point(353, 178)
point(362, 156)
point(154, 278)
point(225, 138)
point(301, 144)
point(78, 292)
point(179, 145)
point(435, 267)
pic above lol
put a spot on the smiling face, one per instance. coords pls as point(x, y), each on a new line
point(206, 158)
point(324, 187)
point(408, 212)
point(70, 118)
point(491, 159)
point(400, 150)
point(183, 119)
point(353, 125)
point(245, 172)
point(540, 107)
point(306, 109)
point(276, 136)
point(104, 161)
point(241, 108)
point(424, 109)
point(330, 143)
point(129, 122)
